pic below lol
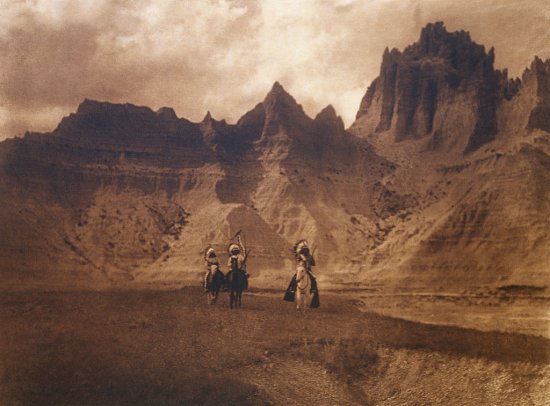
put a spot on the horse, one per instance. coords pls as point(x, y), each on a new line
point(214, 282)
point(303, 289)
point(236, 282)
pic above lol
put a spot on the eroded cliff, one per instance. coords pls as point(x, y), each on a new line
point(441, 183)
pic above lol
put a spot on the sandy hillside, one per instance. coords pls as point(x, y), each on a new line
point(440, 184)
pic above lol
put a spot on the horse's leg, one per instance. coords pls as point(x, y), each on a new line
point(231, 298)
point(303, 300)
point(239, 297)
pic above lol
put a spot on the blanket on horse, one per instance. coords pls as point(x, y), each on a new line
point(290, 293)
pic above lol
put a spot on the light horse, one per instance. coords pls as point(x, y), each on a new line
point(303, 289)
point(214, 282)
point(236, 282)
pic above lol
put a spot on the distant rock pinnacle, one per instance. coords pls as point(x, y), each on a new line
point(414, 87)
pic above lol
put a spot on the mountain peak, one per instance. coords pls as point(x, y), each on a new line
point(327, 114)
point(328, 111)
point(279, 100)
point(435, 30)
point(436, 41)
point(167, 113)
point(538, 77)
point(539, 65)
point(413, 85)
point(88, 105)
point(278, 91)
point(329, 118)
point(277, 86)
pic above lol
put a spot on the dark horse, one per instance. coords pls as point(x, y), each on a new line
point(214, 282)
point(236, 281)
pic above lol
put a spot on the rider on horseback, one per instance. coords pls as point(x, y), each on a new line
point(237, 260)
point(304, 259)
point(212, 265)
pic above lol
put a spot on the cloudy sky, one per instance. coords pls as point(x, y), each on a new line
point(224, 55)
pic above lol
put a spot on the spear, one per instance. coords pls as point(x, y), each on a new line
point(237, 234)
point(246, 257)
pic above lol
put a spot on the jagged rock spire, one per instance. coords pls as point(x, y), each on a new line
point(414, 86)
point(278, 98)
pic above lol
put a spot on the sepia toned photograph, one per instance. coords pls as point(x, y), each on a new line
point(275, 202)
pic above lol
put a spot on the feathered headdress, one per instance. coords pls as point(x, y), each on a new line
point(209, 253)
point(233, 247)
point(299, 246)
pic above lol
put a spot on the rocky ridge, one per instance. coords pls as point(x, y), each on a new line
point(483, 214)
point(441, 183)
point(440, 75)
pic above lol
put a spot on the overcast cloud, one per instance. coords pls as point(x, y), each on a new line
point(224, 55)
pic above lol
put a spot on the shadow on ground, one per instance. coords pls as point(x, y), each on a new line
point(169, 347)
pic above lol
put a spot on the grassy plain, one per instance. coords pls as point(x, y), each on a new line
point(170, 347)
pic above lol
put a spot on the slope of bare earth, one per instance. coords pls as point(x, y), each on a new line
point(480, 216)
point(120, 194)
point(482, 220)
point(440, 184)
point(169, 347)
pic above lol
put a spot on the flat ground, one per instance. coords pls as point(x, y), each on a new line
point(515, 313)
point(169, 347)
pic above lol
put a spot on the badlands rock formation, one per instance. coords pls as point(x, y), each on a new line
point(472, 147)
point(442, 76)
point(441, 183)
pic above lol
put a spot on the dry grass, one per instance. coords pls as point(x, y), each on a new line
point(171, 348)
